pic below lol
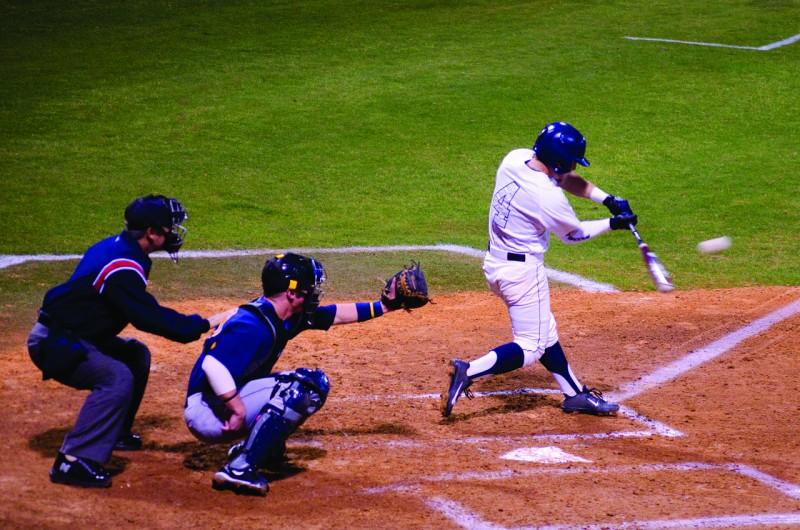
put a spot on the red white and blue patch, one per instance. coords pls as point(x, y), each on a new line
point(114, 266)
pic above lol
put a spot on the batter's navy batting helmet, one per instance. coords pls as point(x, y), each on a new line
point(161, 213)
point(293, 272)
point(559, 146)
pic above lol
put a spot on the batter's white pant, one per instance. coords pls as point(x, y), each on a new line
point(524, 289)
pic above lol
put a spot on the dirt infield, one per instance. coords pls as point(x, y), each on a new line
point(716, 445)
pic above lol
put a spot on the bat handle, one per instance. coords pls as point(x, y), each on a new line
point(635, 234)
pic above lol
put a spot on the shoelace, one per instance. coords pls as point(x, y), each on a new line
point(596, 393)
point(467, 392)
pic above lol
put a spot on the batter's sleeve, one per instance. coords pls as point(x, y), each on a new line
point(557, 214)
point(586, 231)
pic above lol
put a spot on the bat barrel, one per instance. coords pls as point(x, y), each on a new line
point(658, 273)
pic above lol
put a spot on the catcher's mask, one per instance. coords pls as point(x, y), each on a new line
point(560, 146)
point(164, 214)
point(293, 272)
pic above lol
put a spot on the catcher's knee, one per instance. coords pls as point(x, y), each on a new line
point(303, 390)
point(298, 394)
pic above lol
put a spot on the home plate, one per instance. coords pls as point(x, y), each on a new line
point(542, 455)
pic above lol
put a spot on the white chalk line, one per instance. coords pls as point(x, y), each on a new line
point(459, 515)
point(786, 488)
point(465, 518)
point(764, 48)
point(430, 395)
point(655, 427)
point(713, 350)
point(374, 442)
point(585, 284)
point(505, 474)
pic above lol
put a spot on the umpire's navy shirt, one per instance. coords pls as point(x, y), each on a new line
point(107, 291)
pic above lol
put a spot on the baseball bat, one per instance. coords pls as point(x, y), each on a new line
point(657, 271)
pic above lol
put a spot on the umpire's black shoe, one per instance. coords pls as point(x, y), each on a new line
point(80, 472)
point(128, 442)
point(459, 383)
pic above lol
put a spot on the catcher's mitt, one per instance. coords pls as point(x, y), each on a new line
point(409, 288)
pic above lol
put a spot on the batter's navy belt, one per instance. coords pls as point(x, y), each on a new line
point(510, 256)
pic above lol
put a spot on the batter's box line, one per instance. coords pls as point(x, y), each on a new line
point(459, 515)
point(787, 488)
point(653, 426)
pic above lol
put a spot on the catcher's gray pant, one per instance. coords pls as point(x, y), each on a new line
point(206, 426)
point(116, 376)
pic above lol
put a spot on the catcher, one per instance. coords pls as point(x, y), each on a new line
point(233, 393)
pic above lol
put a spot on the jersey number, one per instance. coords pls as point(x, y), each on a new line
point(501, 203)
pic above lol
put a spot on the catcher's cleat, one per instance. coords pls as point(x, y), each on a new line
point(128, 442)
point(248, 481)
point(589, 401)
point(459, 383)
point(79, 472)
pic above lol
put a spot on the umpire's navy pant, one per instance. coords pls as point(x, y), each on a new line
point(116, 377)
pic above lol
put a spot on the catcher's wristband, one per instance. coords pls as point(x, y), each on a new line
point(368, 310)
point(230, 398)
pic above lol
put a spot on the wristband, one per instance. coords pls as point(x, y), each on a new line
point(368, 310)
point(230, 398)
point(598, 195)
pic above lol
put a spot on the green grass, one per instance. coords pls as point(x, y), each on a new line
point(326, 123)
point(350, 277)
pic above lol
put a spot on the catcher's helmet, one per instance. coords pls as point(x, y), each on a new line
point(161, 213)
point(559, 146)
point(293, 272)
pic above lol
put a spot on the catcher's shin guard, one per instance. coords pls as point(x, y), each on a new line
point(267, 440)
point(296, 396)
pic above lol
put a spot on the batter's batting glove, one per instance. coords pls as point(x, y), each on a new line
point(622, 221)
point(617, 205)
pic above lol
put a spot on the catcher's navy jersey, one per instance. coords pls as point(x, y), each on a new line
point(251, 341)
point(107, 291)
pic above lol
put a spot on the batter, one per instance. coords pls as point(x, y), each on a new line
point(528, 204)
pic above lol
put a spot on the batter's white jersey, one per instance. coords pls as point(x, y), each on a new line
point(526, 206)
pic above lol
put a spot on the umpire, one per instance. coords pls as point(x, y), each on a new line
point(75, 338)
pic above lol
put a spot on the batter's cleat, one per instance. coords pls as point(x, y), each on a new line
point(79, 472)
point(459, 383)
point(589, 401)
point(128, 442)
point(247, 481)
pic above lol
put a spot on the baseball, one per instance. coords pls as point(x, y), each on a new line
point(711, 246)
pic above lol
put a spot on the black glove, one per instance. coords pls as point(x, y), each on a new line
point(617, 205)
point(621, 222)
